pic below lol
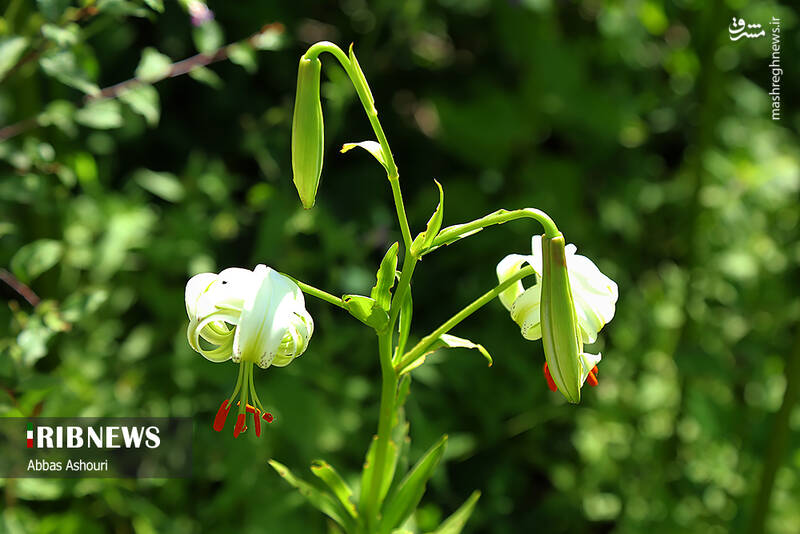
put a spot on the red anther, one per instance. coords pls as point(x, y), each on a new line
point(592, 379)
point(550, 383)
point(258, 423)
point(222, 414)
point(594, 370)
point(268, 417)
point(240, 425)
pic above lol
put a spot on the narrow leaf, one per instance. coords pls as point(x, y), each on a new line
point(321, 500)
point(373, 147)
point(366, 474)
point(404, 324)
point(447, 341)
point(424, 240)
point(385, 278)
point(325, 472)
point(403, 502)
point(455, 523)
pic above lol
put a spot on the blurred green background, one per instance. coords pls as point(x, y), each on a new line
point(638, 125)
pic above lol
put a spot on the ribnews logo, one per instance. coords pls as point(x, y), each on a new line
point(76, 437)
point(96, 447)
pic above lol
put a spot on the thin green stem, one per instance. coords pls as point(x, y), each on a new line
point(388, 394)
point(256, 401)
point(408, 360)
point(364, 94)
point(454, 233)
point(318, 293)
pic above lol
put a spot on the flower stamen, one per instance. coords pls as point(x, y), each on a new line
point(550, 382)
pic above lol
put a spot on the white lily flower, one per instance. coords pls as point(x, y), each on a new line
point(252, 317)
point(594, 297)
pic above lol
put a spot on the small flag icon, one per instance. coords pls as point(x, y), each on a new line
point(30, 435)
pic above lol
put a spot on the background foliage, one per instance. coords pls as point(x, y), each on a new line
point(638, 125)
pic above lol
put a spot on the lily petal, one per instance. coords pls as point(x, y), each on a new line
point(265, 318)
point(525, 312)
point(588, 361)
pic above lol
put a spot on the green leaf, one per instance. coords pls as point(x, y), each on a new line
point(325, 472)
point(321, 500)
point(155, 5)
point(403, 502)
point(455, 523)
point(101, 114)
point(404, 324)
point(61, 114)
point(366, 310)
point(373, 147)
point(63, 66)
point(447, 341)
point(242, 54)
point(369, 467)
point(52, 9)
point(425, 239)
point(61, 36)
point(11, 48)
point(153, 66)
point(385, 278)
point(361, 80)
point(162, 184)
point(208, 37)
point(35, 258)
point(143, 99)
point(206, 76)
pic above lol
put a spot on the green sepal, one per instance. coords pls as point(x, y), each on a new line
point(401, 503)
point(455, 523)
point(319, 499)
point(385, 278)
point(367, 310)
point(447, 341)
point(325, 472)
point(308, 132)
point(423, 242)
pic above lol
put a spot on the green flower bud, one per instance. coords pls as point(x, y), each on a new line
point(307, 132)
point(560, 336)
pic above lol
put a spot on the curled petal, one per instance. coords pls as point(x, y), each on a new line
point(221, 353)
point(195, 287)
point(525, 312)
point(508, 267)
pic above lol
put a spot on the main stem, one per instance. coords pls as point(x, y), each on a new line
point(388, 394)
